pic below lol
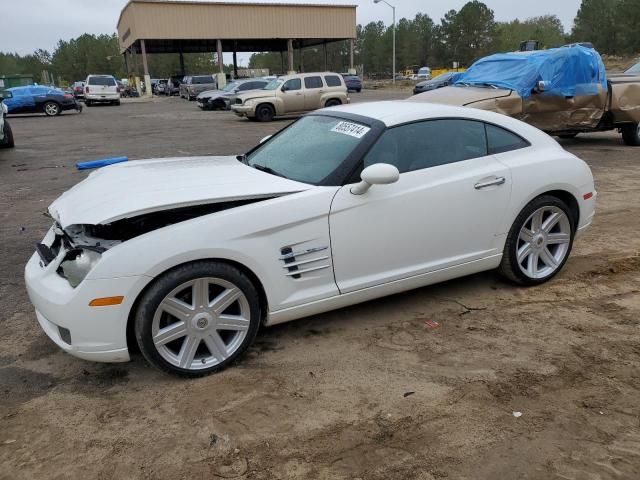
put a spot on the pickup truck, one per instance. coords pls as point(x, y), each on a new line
point(562, 91)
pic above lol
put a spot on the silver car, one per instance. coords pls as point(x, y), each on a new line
point(224, 98)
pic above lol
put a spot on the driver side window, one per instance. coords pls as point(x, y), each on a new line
point(419, 145)
point(293, 84)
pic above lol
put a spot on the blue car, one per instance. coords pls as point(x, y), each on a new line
point(353, 82)
point(40, 99)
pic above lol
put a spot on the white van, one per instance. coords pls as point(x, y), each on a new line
point(101, 89)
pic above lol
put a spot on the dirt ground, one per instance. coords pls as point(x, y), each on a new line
point(370, 391)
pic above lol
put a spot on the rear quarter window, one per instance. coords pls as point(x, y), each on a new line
point(332, 80)
point(500, 140)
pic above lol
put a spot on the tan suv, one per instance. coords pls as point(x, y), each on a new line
point(292, 94)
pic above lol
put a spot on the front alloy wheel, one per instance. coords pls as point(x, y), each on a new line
point(197, 318)
point(539, 242)
point(51, 109)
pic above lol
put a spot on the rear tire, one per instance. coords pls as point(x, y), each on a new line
point(265, 112)
point(332, 102)
point(7, 142)
point(539, 242)
point(88, 103)
point(631, 134)
point(197, 318)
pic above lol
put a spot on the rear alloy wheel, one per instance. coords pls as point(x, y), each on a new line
point(51, 109)
point(631, 134)
point(197, 319)
point(539, 242)
point(265, 113)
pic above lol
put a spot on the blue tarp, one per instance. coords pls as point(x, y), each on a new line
point(566, 71)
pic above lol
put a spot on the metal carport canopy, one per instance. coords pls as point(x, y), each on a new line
point(172, 26)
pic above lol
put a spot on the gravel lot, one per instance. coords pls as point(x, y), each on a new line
point(365, 392)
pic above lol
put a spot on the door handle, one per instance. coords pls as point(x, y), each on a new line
point(490, 183)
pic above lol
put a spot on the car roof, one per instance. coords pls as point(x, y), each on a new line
point(303, 75)
point(395, 112)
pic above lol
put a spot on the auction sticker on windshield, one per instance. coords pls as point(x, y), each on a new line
point(351, 129)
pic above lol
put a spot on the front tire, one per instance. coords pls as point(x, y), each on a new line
point(51, 109)
point(332, 103)
point(539, 242)
point(265, 113)
point(631, 134)
point(197, 318)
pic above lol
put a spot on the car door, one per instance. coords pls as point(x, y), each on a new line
point(446, 209)
point(313, 90)
point(21, 102)
point(292, 96)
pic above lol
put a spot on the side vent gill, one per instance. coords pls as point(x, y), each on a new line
point(299, 262)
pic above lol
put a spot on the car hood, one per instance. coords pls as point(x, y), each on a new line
point(461, 95)
point(257, 94)
point(134, 188)
point(213, 93)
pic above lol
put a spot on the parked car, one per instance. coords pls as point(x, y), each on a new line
point(78, 90)
point(195, 84)
point(292, 94)
point(173, 85)
point(101, 89)
point(563, 91)
point(162, 86)
point(353, 82)
point(154, 84)
point(440, 81)
point(6, 135)
point(222, 99)
point(424, 73)
point(39, 99)
point(211, 248)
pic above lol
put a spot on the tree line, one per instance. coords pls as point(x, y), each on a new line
point(460, 36)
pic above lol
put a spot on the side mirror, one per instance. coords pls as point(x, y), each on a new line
point(377, 174)
point(284, 88)
point(266, 138)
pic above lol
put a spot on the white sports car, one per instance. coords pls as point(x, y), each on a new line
point(187, 257)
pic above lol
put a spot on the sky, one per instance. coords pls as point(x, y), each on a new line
point(31, 24)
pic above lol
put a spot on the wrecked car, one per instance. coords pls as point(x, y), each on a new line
point(562, 91)
point(187, 257)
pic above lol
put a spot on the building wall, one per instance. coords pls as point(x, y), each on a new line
point(180, 20)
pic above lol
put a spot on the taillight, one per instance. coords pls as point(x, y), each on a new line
point(118, 89)
point(67, 95)
point(86, 89)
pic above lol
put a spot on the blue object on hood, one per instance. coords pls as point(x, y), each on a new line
point(100, 163)
point(566, 71)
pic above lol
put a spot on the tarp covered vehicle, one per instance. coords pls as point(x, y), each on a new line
point(563, 91)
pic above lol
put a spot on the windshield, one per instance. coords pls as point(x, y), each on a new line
point(310, 149)
point(230, 86)
point(273, 85)
point(634, 69)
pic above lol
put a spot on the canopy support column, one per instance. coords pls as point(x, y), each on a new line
point(290, 55)
point(145, 66)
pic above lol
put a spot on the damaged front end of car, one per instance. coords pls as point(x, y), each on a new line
point(79, 247)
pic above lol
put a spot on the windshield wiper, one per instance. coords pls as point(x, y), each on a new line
point(262, 168)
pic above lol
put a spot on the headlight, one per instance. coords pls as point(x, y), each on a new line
point(77, 264)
